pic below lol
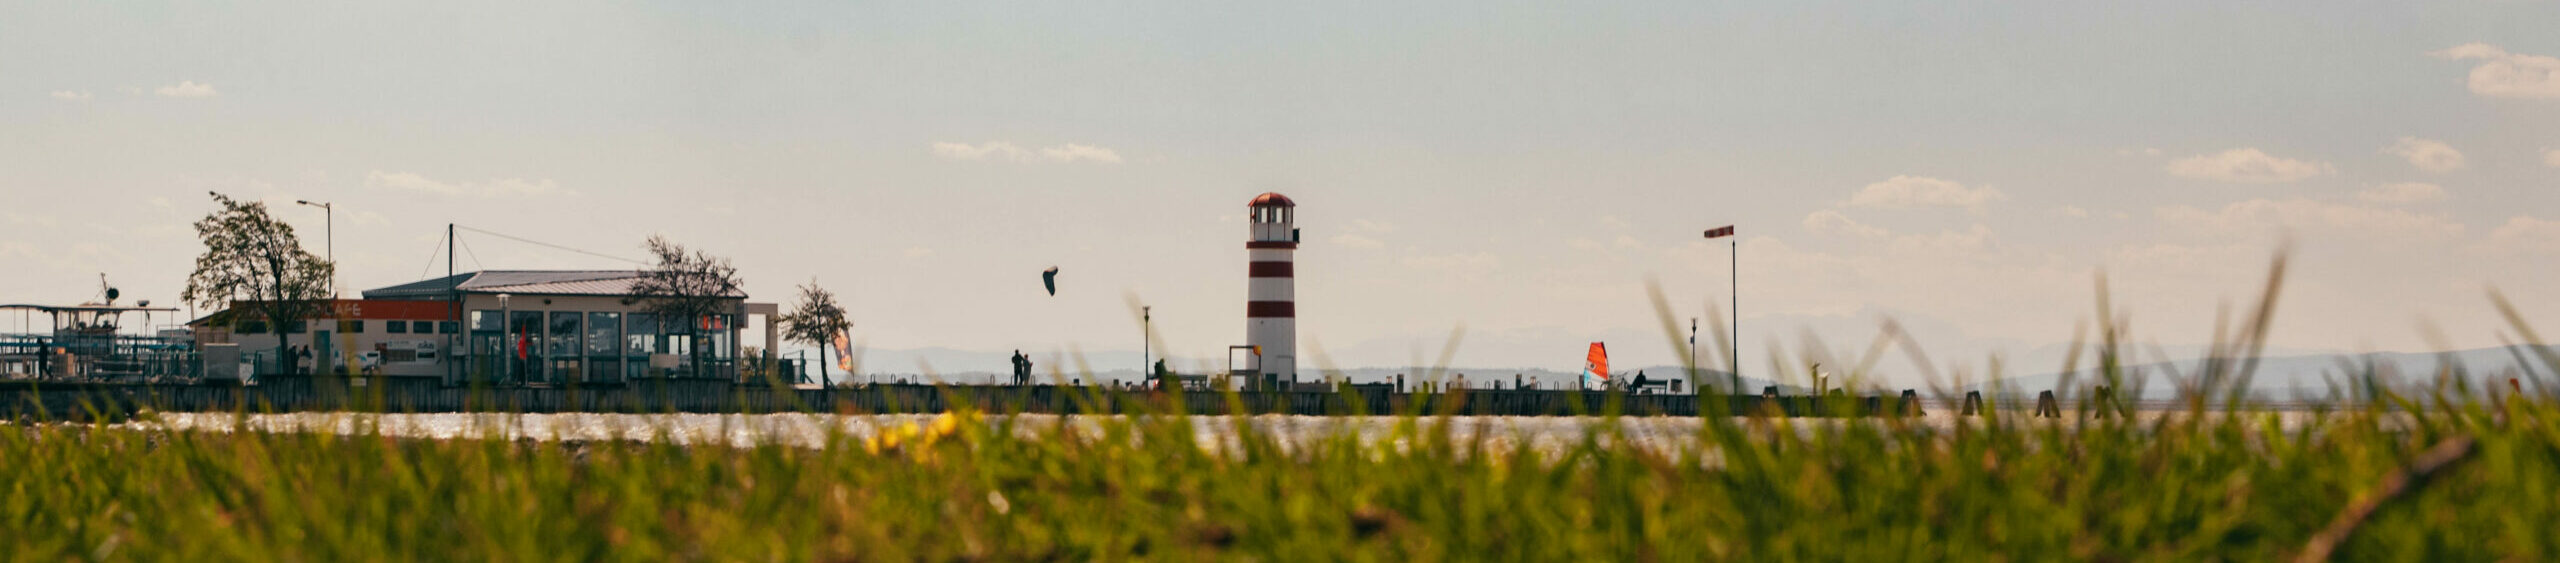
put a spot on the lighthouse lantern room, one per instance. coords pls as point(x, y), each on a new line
point(1271, 312)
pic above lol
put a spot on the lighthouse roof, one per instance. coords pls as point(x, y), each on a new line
point(1272, 199)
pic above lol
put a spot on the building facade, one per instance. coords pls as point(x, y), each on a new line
point(507, 328)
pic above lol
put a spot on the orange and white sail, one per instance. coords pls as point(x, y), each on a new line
point(1595, 367)
point(844, 351)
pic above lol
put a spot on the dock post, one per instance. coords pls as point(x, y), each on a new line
point(1911, 403)
point(2046, 407)
point(1972, 403)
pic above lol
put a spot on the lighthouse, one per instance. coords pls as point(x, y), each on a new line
point(1271, 308)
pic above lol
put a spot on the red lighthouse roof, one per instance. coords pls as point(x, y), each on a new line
point(1272, 199)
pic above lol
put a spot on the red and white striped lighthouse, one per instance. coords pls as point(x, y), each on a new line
point(1271, 309)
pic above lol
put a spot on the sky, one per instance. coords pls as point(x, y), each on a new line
point(1511, 174)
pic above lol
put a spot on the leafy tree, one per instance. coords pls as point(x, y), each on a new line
point(687, 287)
point(815, 320)
point(252, 261)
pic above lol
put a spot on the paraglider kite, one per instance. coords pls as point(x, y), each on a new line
point(1049, 278)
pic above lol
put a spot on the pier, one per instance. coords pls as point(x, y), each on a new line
point(65, 400)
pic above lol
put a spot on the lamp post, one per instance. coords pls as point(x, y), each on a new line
point(1734, 352)
point(1146, 344)
point(329, 218)
point(506, 343)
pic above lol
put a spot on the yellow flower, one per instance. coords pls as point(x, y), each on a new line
point(892, 439)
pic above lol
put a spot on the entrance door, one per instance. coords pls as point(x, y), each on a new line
point(320, 352)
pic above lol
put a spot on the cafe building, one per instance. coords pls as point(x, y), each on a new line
point(525, 327)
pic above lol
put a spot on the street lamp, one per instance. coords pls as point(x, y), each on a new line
point(1734, 353)
point(330, 224)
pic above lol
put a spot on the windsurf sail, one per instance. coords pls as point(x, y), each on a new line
point(1595, 367)
point(844, 351)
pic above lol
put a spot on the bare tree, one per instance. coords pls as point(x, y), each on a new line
point(253, 261)
point(687, 287)
point(815, 320)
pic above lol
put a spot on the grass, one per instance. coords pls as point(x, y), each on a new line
point(2479, 479)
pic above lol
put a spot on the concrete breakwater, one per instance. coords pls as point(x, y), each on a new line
point(72, 401)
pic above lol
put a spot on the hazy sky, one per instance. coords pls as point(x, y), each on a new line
point(1515, 169)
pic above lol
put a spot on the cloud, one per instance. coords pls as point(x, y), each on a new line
point(2247, 166)
point(2319, 220)
point(1356, 241)
point(188, 89)
point(2072, 211)
point(1914, 191)
point(1471, 266)
point(2551, 157)
point(71, 96)
point(918, 252)
point(1368, 226)
point(2522, 232)
point(2508, 75)
point(1833, 222)
point(1000, 150)
point(2427, 154)
point(2144, 151)
point(2403, 193)
point(494, 188)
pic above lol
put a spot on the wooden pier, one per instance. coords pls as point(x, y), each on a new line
point(78, 401)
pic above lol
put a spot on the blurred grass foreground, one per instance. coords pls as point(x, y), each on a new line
point(2402, 474)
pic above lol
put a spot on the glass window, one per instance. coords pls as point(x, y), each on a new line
point(564, 334)
point(355, 326)
point(449, 327)
point(395, 327)
point(485, 321)
point(719, 339)
point(564, 370)
point(253, 327)
point(641, 336)
point(524, 332)
point(604, 334)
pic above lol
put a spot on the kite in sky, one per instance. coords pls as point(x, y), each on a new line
point(1049, 278)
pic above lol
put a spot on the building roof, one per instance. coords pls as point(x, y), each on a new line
point(528, 282)
point(1271, 199)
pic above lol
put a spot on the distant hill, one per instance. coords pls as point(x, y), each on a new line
point(2311, 376)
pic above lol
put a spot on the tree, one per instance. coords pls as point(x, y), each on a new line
point(815, 320)
point(687, 287)
point(253, 261)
